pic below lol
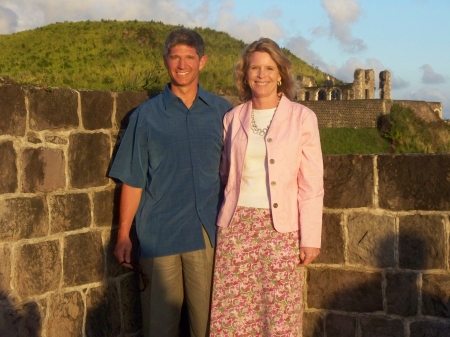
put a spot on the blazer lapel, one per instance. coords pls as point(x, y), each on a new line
point(245, 115)
point(281, 113)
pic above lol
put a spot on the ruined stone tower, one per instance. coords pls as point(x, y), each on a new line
point(385, 85)
point(364, 84)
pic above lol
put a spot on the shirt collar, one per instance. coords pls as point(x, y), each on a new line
point(169, 97)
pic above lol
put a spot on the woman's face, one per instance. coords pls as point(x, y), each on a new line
point(262, 75)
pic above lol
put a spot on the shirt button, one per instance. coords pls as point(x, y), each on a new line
point(273, 183)
point(275, 205)
point(271, 161)
point(269, 140)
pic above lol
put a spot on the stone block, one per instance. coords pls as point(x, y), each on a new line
point(340, 325)
point(5, 269)
point(348, 181)
point(373, 326)
point(20, 320)
point(12, 110)
point(312, 324)
point(66, 311)
point(436, 295)
point(429, 329)
point(89, 156)
point(422, 240)
point(131, 303)
point(414, 182)
point(69, 212)
point(96, 109)
point(8, 167)
point(102, 312)
point(43, 170)
point(56, 140)
point(23, 218)
point(126, 102)
point(371, 240)
point(53, 109)
point(106, 208)
point(332, 250)
point(402, 293)
point(337, 289)
point(38, 268)
point(83, 259)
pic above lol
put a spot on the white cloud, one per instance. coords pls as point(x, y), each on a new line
point(8, 20)
point(429, 76)
point(342, 14)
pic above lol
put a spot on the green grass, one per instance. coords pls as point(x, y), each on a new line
point(116, 55)
point(352, 141)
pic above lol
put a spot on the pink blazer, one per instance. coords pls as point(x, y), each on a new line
point(295, 168)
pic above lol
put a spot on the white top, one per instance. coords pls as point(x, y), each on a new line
point(255, 180)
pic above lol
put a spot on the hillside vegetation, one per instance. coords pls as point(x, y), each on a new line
point(114, 55)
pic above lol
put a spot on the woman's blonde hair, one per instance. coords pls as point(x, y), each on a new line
point(289, 85)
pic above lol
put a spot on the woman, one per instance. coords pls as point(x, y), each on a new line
point(270, 221)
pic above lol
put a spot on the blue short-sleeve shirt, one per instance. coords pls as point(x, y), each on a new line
point(173, 153)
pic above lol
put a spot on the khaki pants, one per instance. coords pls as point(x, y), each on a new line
point(170, 277)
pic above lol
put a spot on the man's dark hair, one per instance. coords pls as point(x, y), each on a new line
point(187, 37)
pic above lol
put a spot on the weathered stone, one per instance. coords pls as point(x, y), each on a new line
point(312, 324)
point(96, 109)
point(106, 208)
point(340, 325)
point(8, 167)
point(55, 109)
point(374, 326)
point(38, 268)
point(66, 315)
point(126, 102)
point(19, 320)
point(56, 140)
point(371, 240)
point(69, 212)
point(102, 312)
point(436, 295)
point(332, 250)
point(131, 303)
point(43, 170)
point(402, 294)
point(406, 183)
point(422, 242)
point(348, 181)
point(23, 218)
point(337, 289)
point(12, 110)
point(89, 156)
point(429, 329)
point(83, 259)
point(5, 269)
point(34, 138)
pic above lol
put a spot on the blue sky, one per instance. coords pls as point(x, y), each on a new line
point(410, 38)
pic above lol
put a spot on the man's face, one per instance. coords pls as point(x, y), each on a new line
point(183, 65)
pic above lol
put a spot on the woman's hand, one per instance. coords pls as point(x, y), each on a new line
point(308, 255)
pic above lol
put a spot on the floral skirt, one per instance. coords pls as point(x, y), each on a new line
point(257, 289)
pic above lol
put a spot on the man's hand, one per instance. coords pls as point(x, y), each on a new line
point(308, 255)
point(122, 252)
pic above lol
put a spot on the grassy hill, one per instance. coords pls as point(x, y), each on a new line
point(115, 55)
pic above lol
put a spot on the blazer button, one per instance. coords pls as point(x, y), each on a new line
point(275, 205)
point(273, 183)
point(272, 161)
point(269, 140)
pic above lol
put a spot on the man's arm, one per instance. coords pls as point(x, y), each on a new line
point(130, 198)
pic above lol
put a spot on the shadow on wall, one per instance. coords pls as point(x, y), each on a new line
point(356, 301)
point(19, 322)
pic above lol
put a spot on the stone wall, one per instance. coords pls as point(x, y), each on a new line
point(384, 267)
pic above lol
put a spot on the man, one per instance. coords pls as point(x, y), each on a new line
point(168, 162)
